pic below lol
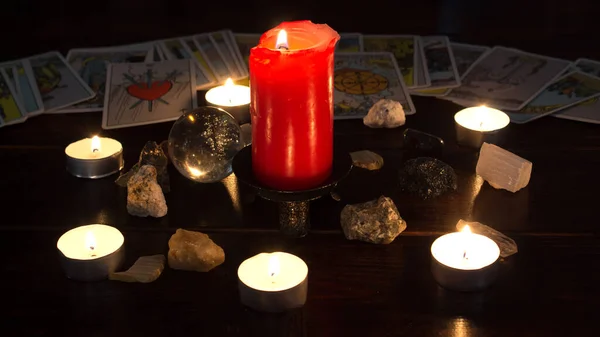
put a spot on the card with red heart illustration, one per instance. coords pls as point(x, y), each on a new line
point(148, 93)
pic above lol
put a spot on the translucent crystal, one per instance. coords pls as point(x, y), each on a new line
point(503, 169)
point(152, 154)
point(203, 142)
point(507, 245)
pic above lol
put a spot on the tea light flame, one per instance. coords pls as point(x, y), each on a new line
point(282, 41)
point(90, 242)
point(273, 267)
point(95, 144)
point(229, 83)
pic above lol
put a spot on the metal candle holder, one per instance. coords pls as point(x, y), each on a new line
point(463, 280)
point(294, 215)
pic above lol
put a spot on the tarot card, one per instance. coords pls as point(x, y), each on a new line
point(245, 42)
point(587, 111)
point(200, 58)
point(236, 52)
point(176, 49)
point(362, 79)
point(465, 56)
point(58, 83)
point(588, 66)
point(561, 93)
point(158, 54)
point(11, 110)
point(349, 43)
point(423, 79)
point(220, 40)
point(507, 78)
point(90, 65)
point(440, 64)
point(403, 48)
point(213, 57)
point(21, 77)
point(146, 93)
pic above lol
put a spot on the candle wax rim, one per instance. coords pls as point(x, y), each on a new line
point(501, 119)
point(489, 242)
point(120, 240)
point(222, 90)
point(103, 155)
point(303, 273)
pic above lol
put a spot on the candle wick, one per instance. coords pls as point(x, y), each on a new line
point(465, 255)
point(481, 125)
point(282, 46)
point(95, 150)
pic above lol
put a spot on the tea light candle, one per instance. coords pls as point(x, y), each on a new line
point(273, 282)
point(233, 98)
point(464, 261)
point(91, 253)
point(477, 125)
point(94, 157)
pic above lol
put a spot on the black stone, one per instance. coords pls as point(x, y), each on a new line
point(427, 177)
point(418, 144)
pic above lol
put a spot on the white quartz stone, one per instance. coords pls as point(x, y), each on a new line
point(503, 169)
point(386, 113)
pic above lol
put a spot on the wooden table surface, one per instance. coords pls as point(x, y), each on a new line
point(549, 288)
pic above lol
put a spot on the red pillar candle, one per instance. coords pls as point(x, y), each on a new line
point(291, 84)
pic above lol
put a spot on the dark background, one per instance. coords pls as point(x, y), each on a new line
point(554, 27)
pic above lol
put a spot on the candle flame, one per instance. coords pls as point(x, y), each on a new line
point(282, 40)
point(95, 144)
point(90, 242)
point(273, 266)
point(466, 229)
point(229, 83)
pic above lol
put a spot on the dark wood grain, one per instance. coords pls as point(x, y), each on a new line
point(355, 289)
point(565, 156)
point(549, 288)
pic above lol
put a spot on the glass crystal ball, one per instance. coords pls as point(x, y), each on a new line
point(203, 142)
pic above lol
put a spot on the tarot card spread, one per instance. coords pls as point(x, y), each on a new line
point(362, 79)
point(213, 57)
point(422, 79)
point(11, 110)
point(91, 65)
point(507, 78)
point(246, 42)
point(465, 56)
point(177, 49)
point(440, 64)
point(403, 49)
point(58, 84)
point(220, 40)
point(21, 77)
point(564, 92)
point(145, 93)
point(588, 110)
